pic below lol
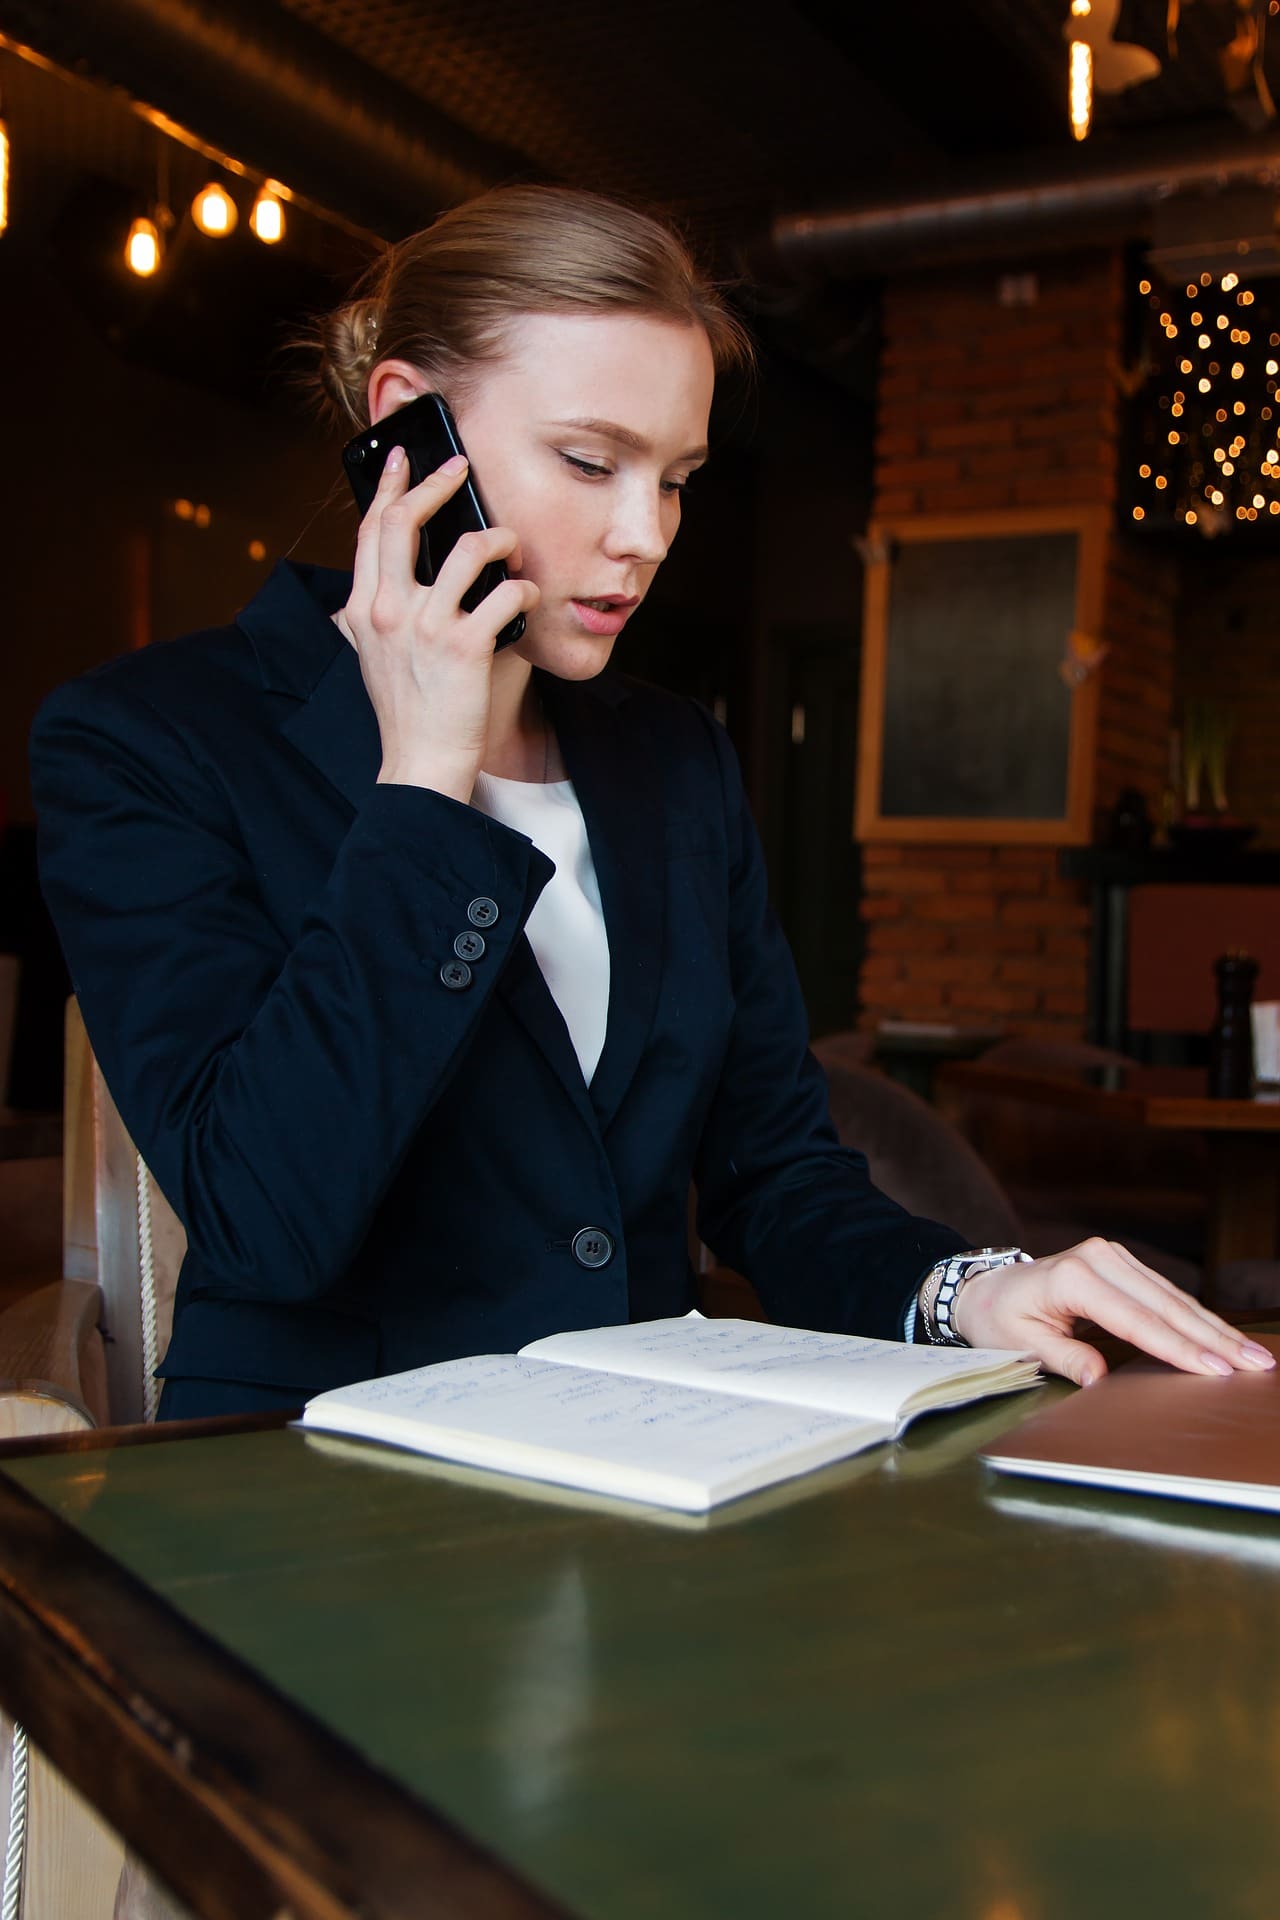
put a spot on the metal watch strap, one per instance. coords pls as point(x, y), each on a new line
point(938, 1308)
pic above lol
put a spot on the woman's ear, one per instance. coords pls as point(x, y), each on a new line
point(393, 384)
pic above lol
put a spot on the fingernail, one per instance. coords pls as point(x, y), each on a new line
point(455, 463)
point(1216, 1363)
point(1257, 1356)
point(395, 459)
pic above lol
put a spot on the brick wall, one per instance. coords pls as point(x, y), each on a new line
point(984, 406)
point(1136, 708)
point(1229, 652)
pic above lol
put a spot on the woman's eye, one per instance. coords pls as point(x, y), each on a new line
point(590, 467)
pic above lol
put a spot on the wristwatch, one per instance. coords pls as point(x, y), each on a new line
point(941, 1286)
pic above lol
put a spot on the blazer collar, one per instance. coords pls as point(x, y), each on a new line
point(289, 624)
point(303, 655)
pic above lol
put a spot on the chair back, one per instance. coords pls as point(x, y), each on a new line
point(119, 1230)
point(917, 1156)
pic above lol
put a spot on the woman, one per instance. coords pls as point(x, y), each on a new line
point(294, 863)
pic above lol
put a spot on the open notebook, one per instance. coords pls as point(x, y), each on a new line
point(681, 1413)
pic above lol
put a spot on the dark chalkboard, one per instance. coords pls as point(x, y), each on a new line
point(969, 717)
point(977, 632)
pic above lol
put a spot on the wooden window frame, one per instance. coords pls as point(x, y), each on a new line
point(1074, 826)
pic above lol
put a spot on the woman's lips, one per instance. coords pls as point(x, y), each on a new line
point(604, 618)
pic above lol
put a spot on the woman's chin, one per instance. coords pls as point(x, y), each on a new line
point(578, 656)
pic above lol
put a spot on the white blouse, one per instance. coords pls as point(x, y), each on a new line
point(566, 928)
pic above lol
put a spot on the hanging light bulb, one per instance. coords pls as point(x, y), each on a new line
point(214, 211)
point(267, 216)
point(4, 176)
point(143, 249)
point(1080, 91)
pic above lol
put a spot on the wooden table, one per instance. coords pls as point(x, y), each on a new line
point(1243, 1136)
point(913, 1051)
point(306, 1677)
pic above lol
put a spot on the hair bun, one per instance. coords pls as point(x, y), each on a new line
point(348, 351)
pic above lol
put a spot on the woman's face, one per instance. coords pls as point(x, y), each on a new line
point(580, 439)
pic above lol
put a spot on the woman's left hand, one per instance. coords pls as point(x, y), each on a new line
point(1036, 1306)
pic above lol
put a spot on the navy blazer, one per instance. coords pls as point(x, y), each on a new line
point(378, 1162)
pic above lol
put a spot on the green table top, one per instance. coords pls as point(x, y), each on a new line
point(905, 1687)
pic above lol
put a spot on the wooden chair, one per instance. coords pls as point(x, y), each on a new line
point(81, 1352)
point(96, 1334)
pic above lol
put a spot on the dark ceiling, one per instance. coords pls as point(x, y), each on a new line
point(729, 113)
point(377, 113)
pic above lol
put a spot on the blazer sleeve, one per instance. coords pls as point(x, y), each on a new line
point(272, 1088)
point(780, 1200)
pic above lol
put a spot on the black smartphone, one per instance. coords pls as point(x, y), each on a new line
point(427, 431)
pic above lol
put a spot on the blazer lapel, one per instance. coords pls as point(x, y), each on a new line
point(615, 777)
point(524, 991)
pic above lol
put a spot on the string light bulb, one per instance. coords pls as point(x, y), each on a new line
point(4, 176)
point(1080, 88)
point(267, 216)
point(214, 211)
point(143, 248)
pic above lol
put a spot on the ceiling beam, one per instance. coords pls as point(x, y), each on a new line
point(251, 80)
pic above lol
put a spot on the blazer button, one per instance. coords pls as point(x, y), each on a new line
point(482, 912)
point(592, 1247)
point(469, 946)
point(456, 975)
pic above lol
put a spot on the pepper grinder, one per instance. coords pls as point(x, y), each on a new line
point(1231, 1038)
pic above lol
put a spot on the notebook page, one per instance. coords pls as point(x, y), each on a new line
point(882, 1380)
point(643, 1439)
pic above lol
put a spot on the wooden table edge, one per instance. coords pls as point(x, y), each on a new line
point(115, 1710)
point(1152, 1109)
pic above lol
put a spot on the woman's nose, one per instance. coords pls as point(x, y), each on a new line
point(639, 529)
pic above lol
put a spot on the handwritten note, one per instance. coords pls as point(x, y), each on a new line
point(839, 1373)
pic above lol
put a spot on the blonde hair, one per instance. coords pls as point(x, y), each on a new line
point(445, 298)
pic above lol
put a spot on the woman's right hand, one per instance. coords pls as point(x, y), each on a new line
point(428, 664)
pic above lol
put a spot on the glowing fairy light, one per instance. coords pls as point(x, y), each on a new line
point(1208, 454)
point(1080, 88)
point(266, 219)
point(143, 249)
point(214, 211)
